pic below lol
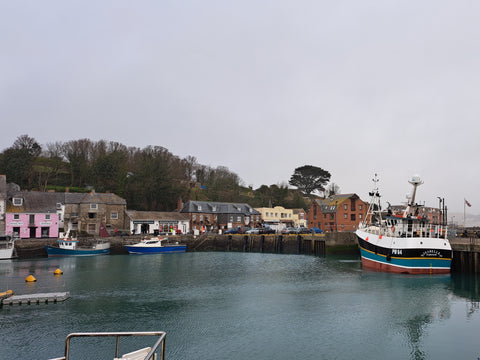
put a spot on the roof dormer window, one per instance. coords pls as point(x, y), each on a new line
point(17, 201)
point(199, 207)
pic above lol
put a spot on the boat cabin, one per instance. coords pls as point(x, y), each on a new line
point(411, 226)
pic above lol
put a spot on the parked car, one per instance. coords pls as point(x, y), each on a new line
point(316, 230)
point(266, 230)
point(232, 231)
point(288, 230)
point(252, 231)
point(302, 230)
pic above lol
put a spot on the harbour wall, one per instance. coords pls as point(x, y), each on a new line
point(310, 244)
point(466, 251)
point(466, 255)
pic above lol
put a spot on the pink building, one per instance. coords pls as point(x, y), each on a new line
point(34, 214)
point(39, 225)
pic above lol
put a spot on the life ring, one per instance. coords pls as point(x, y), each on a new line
point(393, 229)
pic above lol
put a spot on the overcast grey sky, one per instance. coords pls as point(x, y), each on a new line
point(262, 87)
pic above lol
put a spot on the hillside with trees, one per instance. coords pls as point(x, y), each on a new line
point(151, 178)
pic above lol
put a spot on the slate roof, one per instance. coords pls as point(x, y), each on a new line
point(93, 197)
point(36, 202)
point(209, 207)
point(327, 205)
point(156, 215)
point(39, 201)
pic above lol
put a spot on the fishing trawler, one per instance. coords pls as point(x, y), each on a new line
point(406, 243)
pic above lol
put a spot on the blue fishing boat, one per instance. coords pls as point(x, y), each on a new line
point(70, 247)
point(407, 243)
point(155, 246)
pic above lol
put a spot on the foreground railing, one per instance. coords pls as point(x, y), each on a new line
point(150, 352)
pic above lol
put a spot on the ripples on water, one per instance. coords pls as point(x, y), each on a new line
point(243, 305)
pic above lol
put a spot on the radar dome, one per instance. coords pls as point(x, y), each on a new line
point(416, 179)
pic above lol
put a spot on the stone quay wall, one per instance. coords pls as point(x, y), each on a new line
point(314, 244)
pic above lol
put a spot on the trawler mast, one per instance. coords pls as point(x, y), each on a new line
point(416, 182)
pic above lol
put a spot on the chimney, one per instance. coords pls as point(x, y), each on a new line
point(179, 204)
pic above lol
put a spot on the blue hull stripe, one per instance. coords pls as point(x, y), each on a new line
point(54, 251)
point(157, 250)
point(414, 262)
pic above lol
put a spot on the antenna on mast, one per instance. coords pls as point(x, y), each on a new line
point(416, 181)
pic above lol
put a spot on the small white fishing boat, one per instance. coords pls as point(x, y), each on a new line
point(7, 247)
point(155, 246)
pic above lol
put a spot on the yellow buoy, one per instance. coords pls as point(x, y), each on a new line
point(58, 272)
point(30, 278)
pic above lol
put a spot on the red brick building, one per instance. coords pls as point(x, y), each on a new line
point(341, 212)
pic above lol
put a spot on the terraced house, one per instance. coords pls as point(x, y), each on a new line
point(341, 212)
point(33, 214)
point(84, 213)
point(215, 216)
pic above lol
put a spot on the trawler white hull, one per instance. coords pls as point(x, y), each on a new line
point(407, 243)
point(412, 255)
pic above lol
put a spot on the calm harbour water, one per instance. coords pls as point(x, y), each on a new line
point(242, 306)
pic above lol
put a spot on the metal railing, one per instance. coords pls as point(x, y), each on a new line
point(404, 230)
point(160, 342)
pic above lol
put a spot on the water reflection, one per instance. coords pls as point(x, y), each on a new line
point(236, 306)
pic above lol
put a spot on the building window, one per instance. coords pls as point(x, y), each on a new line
point(359, 216)
point(239, 218)
point(352, 217)
point(17, 201)
point(345, 207)
point(359, 207)
point(231, 218)
point(114, 215)
point(201, 217)
point(199, 207)
point(74, 214)
point(194, 217)
point(16, 216)
point(93, 206)
point(345, 216)
point(92, 215)
point(91, 228)
point(47, 216)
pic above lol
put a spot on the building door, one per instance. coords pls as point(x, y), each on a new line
point(33, 232)
point(45, 232)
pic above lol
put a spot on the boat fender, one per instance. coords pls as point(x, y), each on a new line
point(30, 278)
point(393, 228)
point(58, 272)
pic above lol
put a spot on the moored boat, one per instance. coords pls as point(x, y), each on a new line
point(70, 247)
point(155, 246)
point(7, 247)
point(408, 243)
